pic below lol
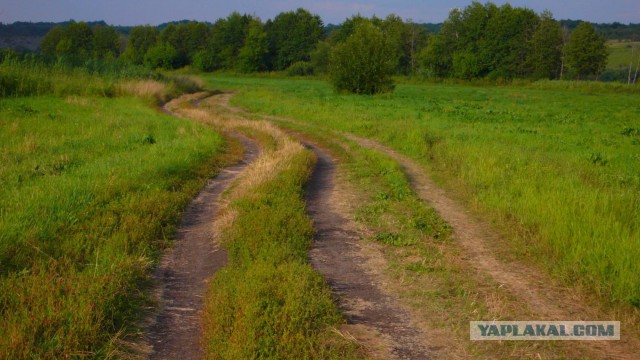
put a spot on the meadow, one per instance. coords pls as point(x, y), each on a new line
point(93, 184)
point(620, 54)
point(555, 168)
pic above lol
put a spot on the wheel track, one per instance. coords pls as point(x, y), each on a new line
point(337, 255)
point(184, 270)
point(550, 302)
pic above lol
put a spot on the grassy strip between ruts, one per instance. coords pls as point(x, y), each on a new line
point(92, 189)
point(268, 302)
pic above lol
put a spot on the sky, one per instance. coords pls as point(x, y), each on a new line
point(154, 12)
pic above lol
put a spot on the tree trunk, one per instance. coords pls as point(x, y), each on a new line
point(637, 66)
point(630, 66)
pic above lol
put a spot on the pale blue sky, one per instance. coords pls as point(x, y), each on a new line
point(134, 12)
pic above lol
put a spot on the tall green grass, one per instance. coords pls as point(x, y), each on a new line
point(32, 78)
point(31, 75)
point(558, 169)
point(91, 191)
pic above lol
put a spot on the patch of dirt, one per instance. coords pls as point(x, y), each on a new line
point(374, 317)
point(544, 298)
point(183, 272)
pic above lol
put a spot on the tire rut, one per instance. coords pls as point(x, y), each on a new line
point(337, 255)
point(184, 270)
point(549, 302)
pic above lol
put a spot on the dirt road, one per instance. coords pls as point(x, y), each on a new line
point(375, 318)
point(185, 269)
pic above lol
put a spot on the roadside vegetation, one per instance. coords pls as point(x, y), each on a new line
point(556, 169)
point(93, 184)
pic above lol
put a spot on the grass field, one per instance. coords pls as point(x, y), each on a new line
point(91, 191)
point(621, 53)
point(558, 170)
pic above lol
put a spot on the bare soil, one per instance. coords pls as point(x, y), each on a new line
point(374, 317)
point(183, 272)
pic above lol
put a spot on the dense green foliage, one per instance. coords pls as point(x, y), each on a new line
point(292, 36)
point(506, 42)
point(82, 41)
point(546, 49)
point(557, 169)
point(496, 42)
point(585, 53)
point(141, 39)
point(364, 62)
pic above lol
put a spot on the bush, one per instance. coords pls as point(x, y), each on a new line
point(204, 60)
point(364, 63)
point(300, 68)
point(162, 56)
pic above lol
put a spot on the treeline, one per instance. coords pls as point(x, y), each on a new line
point(479, 41)
point(23, 28)
point(612, 31)
point(484, 40)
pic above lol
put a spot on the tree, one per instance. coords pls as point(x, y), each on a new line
point(348, 27)
point(364, 62)
point(141, 39)
point(544, 57)
point(291, 37)
point(226, 39)
point(436, 59)
point(187, 38)
point(106, 42)
point(75, 40)
point(51, 40)
point(586, 52)
point(320, 57)
point(161, 55)
point(80, 39)
point(504, 45)
point(252, 55)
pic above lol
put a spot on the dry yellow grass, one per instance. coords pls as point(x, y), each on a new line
point(143, 88)
point(278, 149)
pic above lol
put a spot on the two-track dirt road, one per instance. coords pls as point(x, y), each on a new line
point(376, 317)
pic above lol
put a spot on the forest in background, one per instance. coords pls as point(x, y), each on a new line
point(479, 41)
